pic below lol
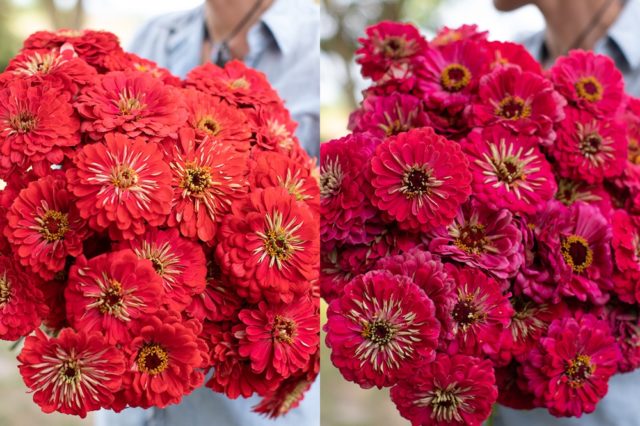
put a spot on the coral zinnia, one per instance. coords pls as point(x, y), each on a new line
point(480, 313)
point(72, 373)
point(482, 238)
point(131, 102)
point(122, 185)
point(164, 360)
point(37, 126)
point(279, 339)
point(523, 102)
point(589, 148)
point(508, 171)
point(346, 214)
point(206, 179)
point(179, 262)
point(569, 370)
point(22, 305)
point(420, 179)
point(454, 390)
point(268, 246)
point(111, 292)
point(44, 226)
point(590, 81)
point(381, 329)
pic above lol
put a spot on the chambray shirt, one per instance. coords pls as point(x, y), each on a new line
point(621, 405)
point(285, 45)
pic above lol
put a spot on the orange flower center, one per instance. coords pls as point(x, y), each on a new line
point(196, 180)
point(576, 253)
point(152, 359)
point(23, 122)
point(53, 225)
point(209, 125)
point(589, 89)
point(633, 153)
point(284, 329)
point(379, 331)
point(124, 177)
point(513, 108)
point(240, 83)
point(455, 77)
point(578, 370)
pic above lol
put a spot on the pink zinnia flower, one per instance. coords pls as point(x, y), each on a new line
point(451, 73)
point(624, 321)
point(447, 36)
point(508, 171)
point(384, 116)
point(507, 54)
point(381, 329)
point(589, 148)
point(454, 390)
point(523, 102)
point(590, 81)
point(513, 391)
point(429, 273)
point(346, 214)
point(570, 369)
point(570, 191)
point(419, 179)
point(626, 249)
point(482, 238)
point(480, 313)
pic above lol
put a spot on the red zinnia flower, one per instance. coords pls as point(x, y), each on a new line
point(279, 339)
point(58, 67)
point(133, 103)
point(72, 373)
point(212, 118)
point(95, 47)
point(272, 169)
point(44, 226)
point(111, 292)
point(624, 321)
point(135, 62)
point(454, 390)
point(589, 148)
point(569, 370)
point(22, 305)
point(509, 54)
point(451, 73)
point(206, 180)
point(269, 246)
point(509, 171)
point(590, 81)
point(480, 313)
point(346, 213)
point(420, 179)
point(626, 249)
point(381, 329)
point(482, 238)
point(447, 36)
point(523, 102)
point(37, 127)
point(165, 358)
point(122, 185)
point(218, 301)
point(274, 129)
point(384, 116)
point(179, 262)
point(285, 398)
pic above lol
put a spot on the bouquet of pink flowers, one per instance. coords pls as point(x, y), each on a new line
point(158, 229)
point(481, 228)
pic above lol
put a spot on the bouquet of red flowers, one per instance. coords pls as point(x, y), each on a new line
point(481, 228)
point(153, 230)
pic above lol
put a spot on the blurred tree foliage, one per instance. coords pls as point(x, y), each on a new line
point(9, 43)
point(343, 21)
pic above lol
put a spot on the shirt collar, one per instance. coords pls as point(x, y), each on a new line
point(277, 20)
point(624, 33)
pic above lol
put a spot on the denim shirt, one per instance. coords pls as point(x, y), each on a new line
point(620, 406)
point(284, 44)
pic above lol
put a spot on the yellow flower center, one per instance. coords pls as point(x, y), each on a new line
point(110, 301)
point(128, 103)
point(196, 180)
point(472, 239)
point(152, 359)
point(576, 253)
point(209, 125)
point(284, 329)
point(513, 108)
point(124, 177)
point(5, 290)
point(589, 89)
point(70, 372)
point(53, 225)
point(578, 370)
point(23, 122)
point(633, 153)
point(455, 77)
point(379, 331)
